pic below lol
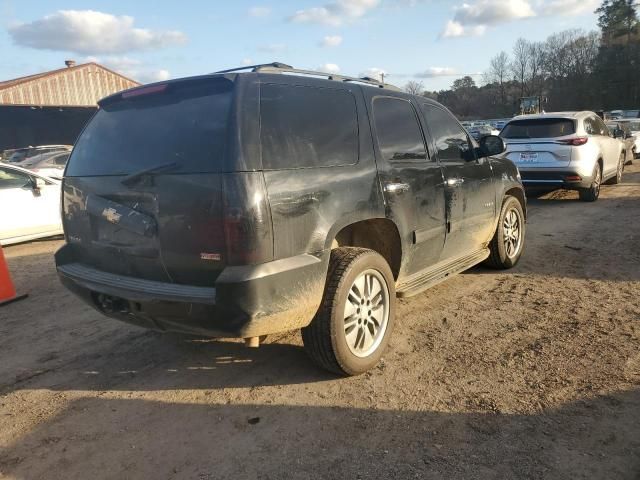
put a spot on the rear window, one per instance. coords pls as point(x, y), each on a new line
point(304, 127)
point(539, 128)
point(185, 124)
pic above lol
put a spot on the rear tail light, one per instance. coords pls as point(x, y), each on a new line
point(575, 141)
point(246, 219)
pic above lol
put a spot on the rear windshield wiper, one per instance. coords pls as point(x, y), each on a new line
point(133, 178)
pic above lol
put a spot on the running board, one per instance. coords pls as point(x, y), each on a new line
point(422, 280)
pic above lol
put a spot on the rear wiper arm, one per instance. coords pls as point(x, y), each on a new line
point(133, 178)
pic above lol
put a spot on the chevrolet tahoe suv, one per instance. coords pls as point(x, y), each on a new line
point(241, 204)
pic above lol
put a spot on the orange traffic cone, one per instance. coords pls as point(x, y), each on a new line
point(7, 290)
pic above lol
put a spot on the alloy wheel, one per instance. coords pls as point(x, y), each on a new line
point(366, 313)
point(512, 232)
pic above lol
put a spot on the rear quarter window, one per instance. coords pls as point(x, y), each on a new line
point(304, 127)
point(539, 128)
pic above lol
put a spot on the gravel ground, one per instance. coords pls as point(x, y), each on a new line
point(530, 373)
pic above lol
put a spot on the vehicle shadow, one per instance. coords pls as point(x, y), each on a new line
point(133, 359)
point(594, 438)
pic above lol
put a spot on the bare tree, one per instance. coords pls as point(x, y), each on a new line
point(414, 88)
point(520, 63)
point(498, 73)
point(535, 68)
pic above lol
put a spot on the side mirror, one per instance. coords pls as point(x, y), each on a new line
point(618, 133)
point(490, 146)
point(37, 183)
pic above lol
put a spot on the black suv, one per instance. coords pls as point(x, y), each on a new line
point(241, 204)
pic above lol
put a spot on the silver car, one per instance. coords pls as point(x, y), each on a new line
point(634, 126)
point(572, 150)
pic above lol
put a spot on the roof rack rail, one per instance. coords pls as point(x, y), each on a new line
point(277, 67)
point(255, 68)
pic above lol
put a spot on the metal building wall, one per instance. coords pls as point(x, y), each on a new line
point(83, 85)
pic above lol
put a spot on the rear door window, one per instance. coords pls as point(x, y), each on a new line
point(539, 128)
point(183, 123)
point(304, 127)
point(397, 129)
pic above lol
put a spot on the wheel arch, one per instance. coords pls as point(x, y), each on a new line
point(519, 194)
point(378, 234)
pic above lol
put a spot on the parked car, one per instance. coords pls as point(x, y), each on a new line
point(481, 130)
point(47, 164)
point(30, 205)
point(245, 204)
point(634, 127)
point(571, 150)
point(21, 154)
point(621, 131)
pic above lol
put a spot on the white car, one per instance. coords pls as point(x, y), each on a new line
point(47, 164)
point(571, 150)
point(634, 126)
point(29, 205)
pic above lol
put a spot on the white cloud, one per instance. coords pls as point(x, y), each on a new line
point(335, 13)
point(492, 12)
point(90, 32)
point(272, 48)
point(259, 11)
point(568, 7)
point(433, 72)
point(331, 41)
point(247, 61)
point(455, 29)
point(131, 68)
point(473, 18)
point(329, 68)
point(374, 72)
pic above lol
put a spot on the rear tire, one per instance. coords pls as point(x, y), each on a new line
point(356, 317)
point(618, 178)
point(592, 193)
point(507, 244)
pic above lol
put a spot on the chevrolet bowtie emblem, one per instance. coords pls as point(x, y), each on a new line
point(111, 215)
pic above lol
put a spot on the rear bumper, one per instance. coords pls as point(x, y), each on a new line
point(246, 301)
point(558, 178)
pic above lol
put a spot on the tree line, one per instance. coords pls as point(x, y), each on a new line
point(574, 69)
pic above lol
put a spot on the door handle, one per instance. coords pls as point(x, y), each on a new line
point(455, 182)
point(396, 187)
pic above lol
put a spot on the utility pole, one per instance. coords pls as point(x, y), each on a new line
point(382, 76)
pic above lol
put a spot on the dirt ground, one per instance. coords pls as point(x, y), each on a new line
point(531, 373)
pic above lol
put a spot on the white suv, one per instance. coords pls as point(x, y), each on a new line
point(572, 150)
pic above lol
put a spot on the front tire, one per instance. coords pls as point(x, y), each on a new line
point(354, 323)
point(507, 244)
point(618, 178)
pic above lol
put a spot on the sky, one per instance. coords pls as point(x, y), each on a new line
point(431, 41)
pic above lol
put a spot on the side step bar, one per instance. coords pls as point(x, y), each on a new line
point(428, 278)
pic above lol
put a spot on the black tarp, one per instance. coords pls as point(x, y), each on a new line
point(22, 126)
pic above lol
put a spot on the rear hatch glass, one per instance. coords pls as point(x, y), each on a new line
point(183, 123)
point(539, 128)
point(532, 143)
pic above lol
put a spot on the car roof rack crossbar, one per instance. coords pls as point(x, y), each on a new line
point(277, 67)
